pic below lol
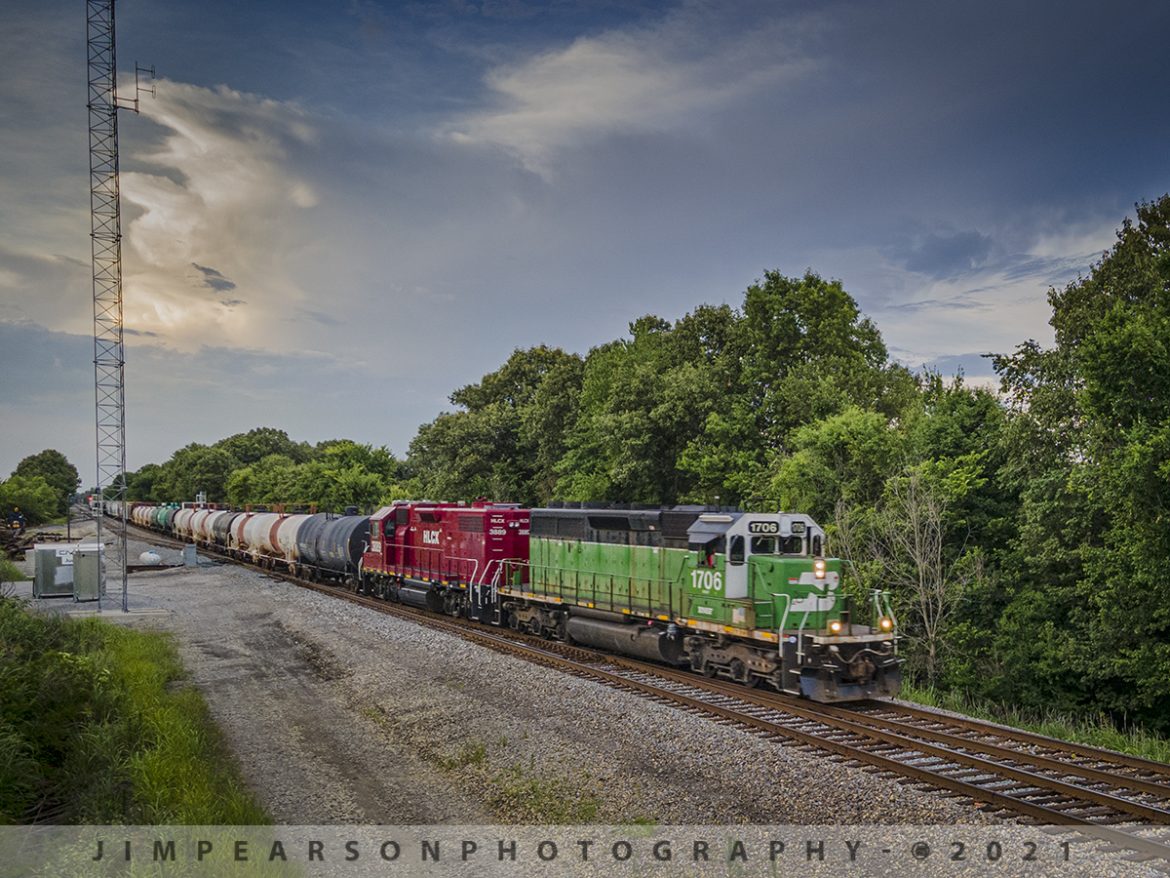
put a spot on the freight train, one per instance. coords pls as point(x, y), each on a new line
point(751, 597)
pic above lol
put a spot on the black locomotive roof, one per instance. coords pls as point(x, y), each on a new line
point(613, 524)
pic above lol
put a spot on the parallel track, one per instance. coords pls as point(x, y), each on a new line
point(1014, 772)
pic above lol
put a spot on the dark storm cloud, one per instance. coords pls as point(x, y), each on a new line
point(947, 161)
point(213, 279)
point(945, 254)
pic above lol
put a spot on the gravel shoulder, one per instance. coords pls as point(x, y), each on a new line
point(339, 714)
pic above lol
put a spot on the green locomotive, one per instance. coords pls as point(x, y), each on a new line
point(747, 596)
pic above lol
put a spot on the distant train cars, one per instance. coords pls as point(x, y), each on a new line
point(746, 596)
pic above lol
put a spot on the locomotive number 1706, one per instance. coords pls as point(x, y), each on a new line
point(707, 580)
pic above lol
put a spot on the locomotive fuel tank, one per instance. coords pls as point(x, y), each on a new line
point(640, 641)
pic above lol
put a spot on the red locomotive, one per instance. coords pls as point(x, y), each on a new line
point(446, 557)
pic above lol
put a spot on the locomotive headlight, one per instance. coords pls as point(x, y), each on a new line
point(886, 623)
point(835, 626)
point(819, 568)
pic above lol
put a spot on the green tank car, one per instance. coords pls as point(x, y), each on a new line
point(746, 596)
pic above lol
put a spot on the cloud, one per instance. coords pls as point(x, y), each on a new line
point(221, 185)
point(676, 73)
point(44, 285)
point(213, 279)
point(942, 254)
point(974, 365)
point(961, 303)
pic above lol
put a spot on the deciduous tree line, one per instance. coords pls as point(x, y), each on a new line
point(264, 466)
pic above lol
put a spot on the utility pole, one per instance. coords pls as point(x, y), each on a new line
point(109, 359)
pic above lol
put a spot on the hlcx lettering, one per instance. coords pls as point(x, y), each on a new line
point(431, 537)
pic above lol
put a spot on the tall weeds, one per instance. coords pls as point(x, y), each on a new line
point(97, 726)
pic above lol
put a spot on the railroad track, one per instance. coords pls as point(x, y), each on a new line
point(1119, 799)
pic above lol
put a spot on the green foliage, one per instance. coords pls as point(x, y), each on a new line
point(250, 447)
point(509, 437)
point(1090, 455)
point(60, 475)
point(194, 469)
point(96, 726)
point(9, 573)
point(34, 497)
point(332, 475)
point(843, 459)
point(698, 410)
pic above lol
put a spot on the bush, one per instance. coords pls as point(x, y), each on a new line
point(96, 727)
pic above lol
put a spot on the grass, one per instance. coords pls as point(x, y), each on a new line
point(516, 794)
point(98, 726)
point(9, 572)
point(471, 755)
point(520, 796)
point(1095, 731)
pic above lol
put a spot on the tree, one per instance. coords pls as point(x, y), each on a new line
point(261, 442)
point(844, 459)
point(906, 545)
point(193, 469)
point(269, 480)
point(58, 473)
point(140, 484)
point(507, 438)
point(34, 496)
point(1092, 421)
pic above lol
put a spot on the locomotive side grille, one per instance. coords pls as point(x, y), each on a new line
point(471, 524)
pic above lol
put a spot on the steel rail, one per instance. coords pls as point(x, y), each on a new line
point(984, 727)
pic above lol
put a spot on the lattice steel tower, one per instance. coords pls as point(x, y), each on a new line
point(106, 233)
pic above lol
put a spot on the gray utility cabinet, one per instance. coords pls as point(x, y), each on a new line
point(54, 569)
point(88, 573)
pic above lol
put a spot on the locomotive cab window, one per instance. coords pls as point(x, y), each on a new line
point(763, 545)
point(793, 545)
point(708, 551)
point(735, 553)
point(816, 546)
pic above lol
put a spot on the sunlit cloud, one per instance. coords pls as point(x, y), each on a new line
point(671, 75)
point(210, 210)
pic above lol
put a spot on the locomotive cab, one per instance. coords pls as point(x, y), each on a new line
point(772, 584)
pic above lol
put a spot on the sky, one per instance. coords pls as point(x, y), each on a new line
point(337, 213)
